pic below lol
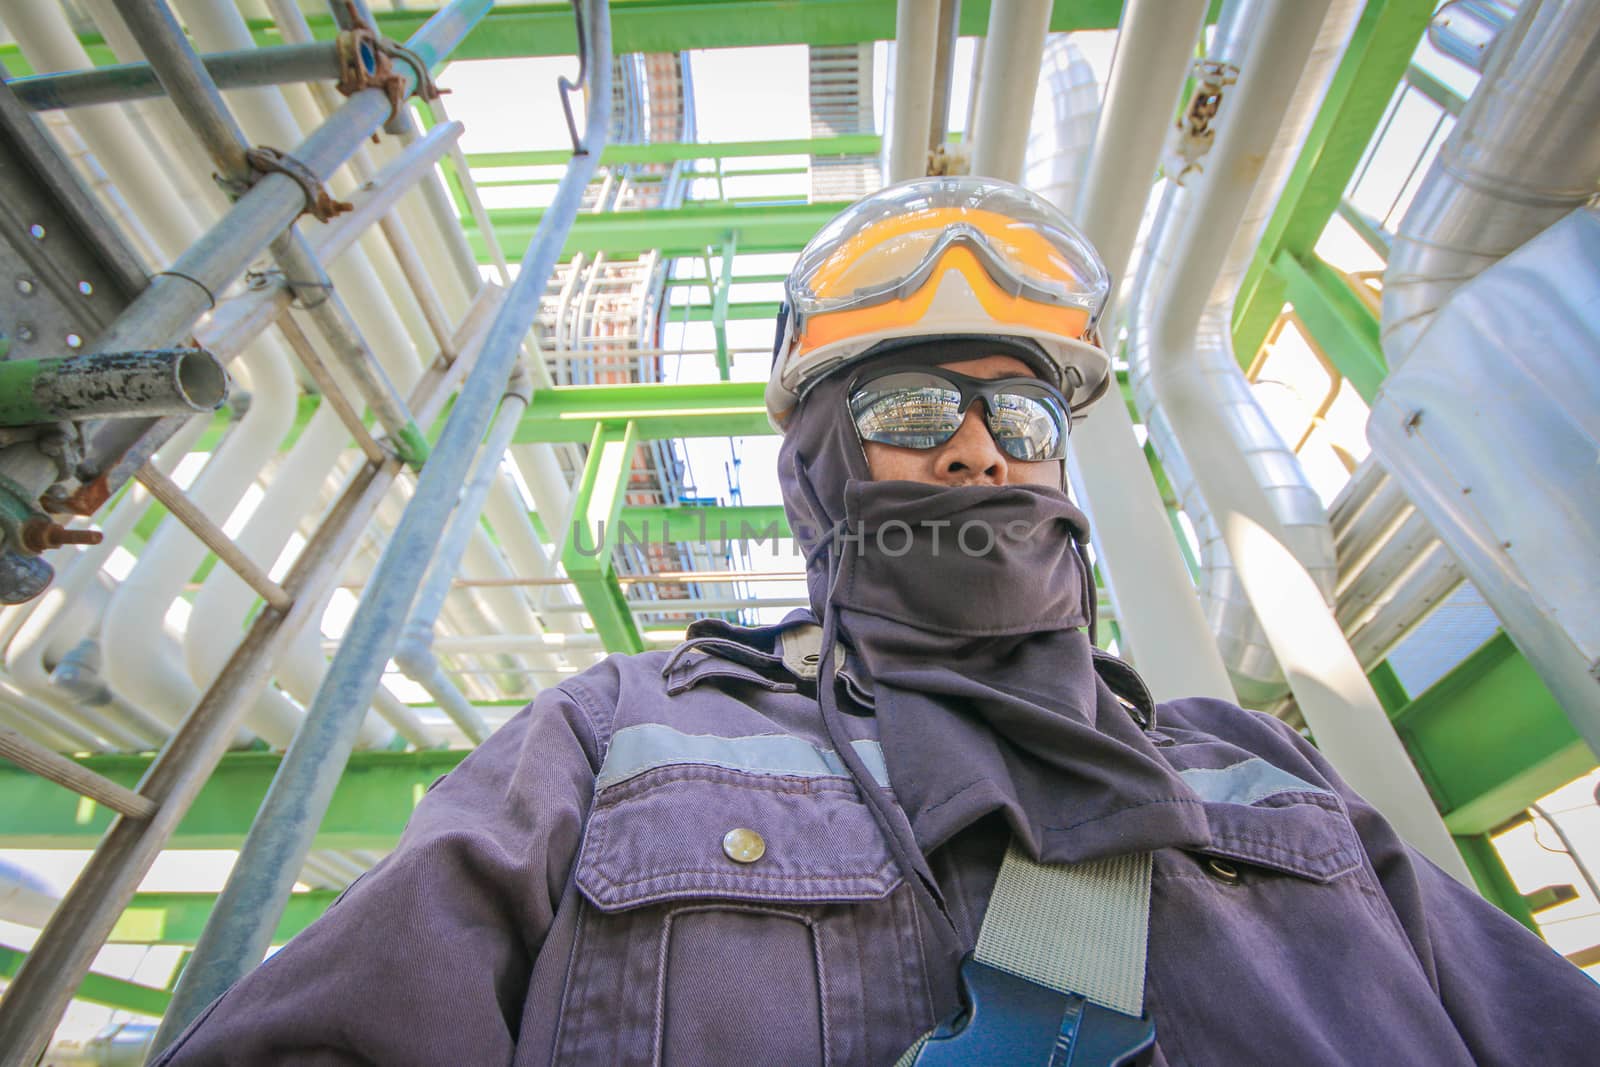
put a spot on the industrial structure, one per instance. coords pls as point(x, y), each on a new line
point(328, 440)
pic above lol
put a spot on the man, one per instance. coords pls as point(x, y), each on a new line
point(775, 845)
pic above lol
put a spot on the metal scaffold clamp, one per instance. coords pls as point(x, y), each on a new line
point(367, 60)
point(320, 204)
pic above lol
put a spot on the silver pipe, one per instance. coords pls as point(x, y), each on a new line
point(1186, 370)
point(1384, 567)
point(248, 909)
point(1394, 615)
point(1515, 179)
point(137, 81)
point(1466, 30)
point(1211, 373)
point(1524, 153)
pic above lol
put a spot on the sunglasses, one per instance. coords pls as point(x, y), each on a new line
point(923, 408)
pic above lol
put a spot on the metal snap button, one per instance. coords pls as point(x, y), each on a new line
point(1222, 871)
point(743, 845)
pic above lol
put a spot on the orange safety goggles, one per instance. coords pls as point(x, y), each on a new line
point(1023, 269)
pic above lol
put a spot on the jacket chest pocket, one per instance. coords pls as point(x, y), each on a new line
point(741, 918)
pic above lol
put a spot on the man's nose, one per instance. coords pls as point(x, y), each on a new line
point(971, 456)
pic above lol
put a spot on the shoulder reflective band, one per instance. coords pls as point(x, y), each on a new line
point(636, 749)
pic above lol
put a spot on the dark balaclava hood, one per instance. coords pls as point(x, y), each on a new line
point(967, 608)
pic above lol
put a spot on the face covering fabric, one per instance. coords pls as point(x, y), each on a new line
point(967, 609)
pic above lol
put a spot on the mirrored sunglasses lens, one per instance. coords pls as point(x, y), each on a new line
point(1032, 428)
point(906, 410)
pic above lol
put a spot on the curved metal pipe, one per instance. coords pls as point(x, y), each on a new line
point(1207, 370)
point(1144, 574)
point(1180, 351)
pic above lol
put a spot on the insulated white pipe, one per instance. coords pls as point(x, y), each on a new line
point(1330, 687)
point(157, 121)
point(1147, 580)
point(24, 654)
point(916, 42)
point(139, 655)
point(49, 728)
point(225, 599)
point(1012, 52)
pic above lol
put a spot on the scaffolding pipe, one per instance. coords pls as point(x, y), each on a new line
point(200, 102)
point(210, 534)
point(168, 308)
point(137, 81)
point(31, 756)
point(248, 909)
point(414, 654)
point(178, 381)
point(43, 987)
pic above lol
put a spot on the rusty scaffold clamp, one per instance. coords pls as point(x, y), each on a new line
point(368, 60)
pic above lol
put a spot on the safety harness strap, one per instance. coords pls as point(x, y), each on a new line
point(1081, 930)
point(1078, 928)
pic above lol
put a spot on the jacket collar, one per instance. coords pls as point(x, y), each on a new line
point(794, 645)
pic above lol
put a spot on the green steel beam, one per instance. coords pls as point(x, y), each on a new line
point(370, 806)
point(100, 988)
point(1493, 880)
point(1390, 690)
point(178, 918)
point(1342, 326)
point(656, 410)
point(547, 29)
point(719, 305)
point(686, 231)
point(850, 144)
point(1489, 739)
point(1380, 50)
point(586, 554)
